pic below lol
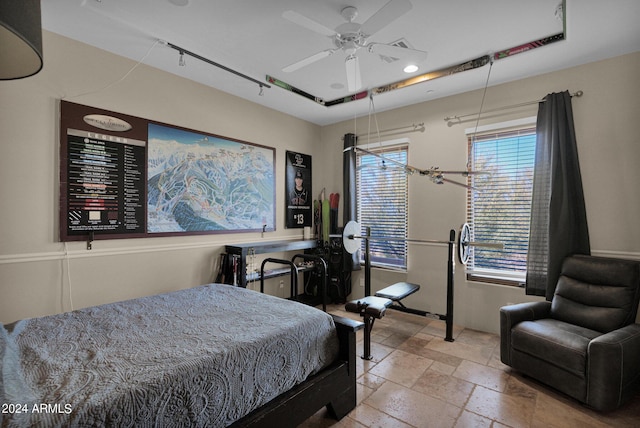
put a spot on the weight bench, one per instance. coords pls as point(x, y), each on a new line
point(397, 292)
point(370, 308)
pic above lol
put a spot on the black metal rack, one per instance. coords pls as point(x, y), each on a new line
point(263, 247)
point(326, 276)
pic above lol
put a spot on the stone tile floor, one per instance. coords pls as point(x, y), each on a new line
point(417, 379)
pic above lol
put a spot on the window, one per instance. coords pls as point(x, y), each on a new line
point(382, 188)
point(499, 204)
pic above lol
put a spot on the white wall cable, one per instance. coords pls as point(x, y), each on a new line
point(120, 79)
point(68, 266)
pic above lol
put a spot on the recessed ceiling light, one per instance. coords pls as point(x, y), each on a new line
point(411, 68)
point(179, 2)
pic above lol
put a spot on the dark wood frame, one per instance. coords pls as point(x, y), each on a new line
point(334, 387)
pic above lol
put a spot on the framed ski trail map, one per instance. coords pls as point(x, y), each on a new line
point(126, 177)
point(198, 182)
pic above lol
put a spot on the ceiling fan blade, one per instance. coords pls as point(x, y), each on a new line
point(397, 52)
point(307, 23)
point(354, 80)
point(387, 14)
point(309, 60)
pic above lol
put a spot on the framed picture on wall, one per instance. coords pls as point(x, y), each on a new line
point(123, 176)
point(199, 182)
point(298, 192)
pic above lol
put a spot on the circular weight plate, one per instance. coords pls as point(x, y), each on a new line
point(351, 244)
point(464, 238)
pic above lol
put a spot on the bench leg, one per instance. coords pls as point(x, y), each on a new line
point(368, 327)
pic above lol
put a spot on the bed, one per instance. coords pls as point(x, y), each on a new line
point(213, 355)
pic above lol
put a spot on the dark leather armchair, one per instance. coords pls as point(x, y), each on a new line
point(584, 342)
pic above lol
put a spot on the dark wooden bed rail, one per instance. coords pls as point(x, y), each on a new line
point(334, 387)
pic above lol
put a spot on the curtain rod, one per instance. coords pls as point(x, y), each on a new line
point(450, 119)
point(215, 64)
point(393, 131)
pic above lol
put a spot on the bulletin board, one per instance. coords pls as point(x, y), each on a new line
point(123, 176)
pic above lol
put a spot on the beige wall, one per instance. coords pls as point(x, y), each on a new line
point(36, 277)
point(609, 149)
point(39, 275)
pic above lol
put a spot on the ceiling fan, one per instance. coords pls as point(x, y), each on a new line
point(351, 36)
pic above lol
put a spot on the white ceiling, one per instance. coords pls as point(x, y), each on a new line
point(253, 38)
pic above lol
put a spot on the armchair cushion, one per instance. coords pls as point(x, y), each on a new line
point(597, 293)
point(566, 342)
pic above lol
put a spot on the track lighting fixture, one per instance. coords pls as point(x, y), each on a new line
point(184, 52)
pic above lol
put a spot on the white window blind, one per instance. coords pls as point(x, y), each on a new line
point(382, 189)
point(499, 205)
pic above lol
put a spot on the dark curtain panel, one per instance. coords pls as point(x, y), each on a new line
point(558, 217)
point(349, 188)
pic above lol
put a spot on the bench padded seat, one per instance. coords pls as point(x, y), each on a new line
point(398, 291)
point(370, 305)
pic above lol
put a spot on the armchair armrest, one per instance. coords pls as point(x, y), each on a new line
point(512, 315)
point(529, 311)
point(613, 367)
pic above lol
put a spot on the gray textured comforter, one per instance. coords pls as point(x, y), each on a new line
point(198, 357)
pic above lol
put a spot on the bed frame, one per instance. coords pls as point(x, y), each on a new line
point(334, 387)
